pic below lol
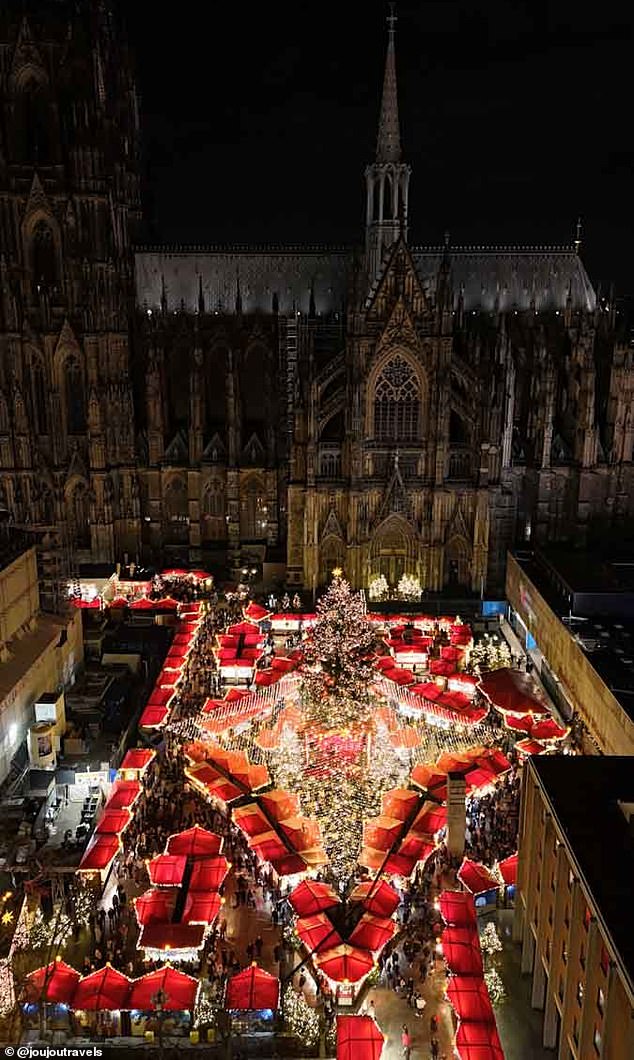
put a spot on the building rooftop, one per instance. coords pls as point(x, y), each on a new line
point(584, 793)
point(606, 640)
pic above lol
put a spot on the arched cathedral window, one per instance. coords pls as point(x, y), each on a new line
point(74, 396)
point(214, 527)
point(43, 256)
point(34, 110)
point(253, 510)
point(79, 516)
point(39, 395)
point(397, 403)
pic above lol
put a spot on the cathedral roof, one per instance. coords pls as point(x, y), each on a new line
point(490, 278)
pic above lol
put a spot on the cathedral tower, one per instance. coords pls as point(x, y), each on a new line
point(69, 197)
point(387, 179)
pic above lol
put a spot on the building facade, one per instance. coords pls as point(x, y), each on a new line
point(572, 912)
point(392, 409)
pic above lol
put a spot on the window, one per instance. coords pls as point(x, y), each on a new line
point(176, 502)
point(571, 878)
point(605, 961)
point(582, 957)
point(397, 403)
point(567, 917)
point(80, 516)
point(596, 1041)
point(74, 394)
point(38, 391)
point(214, 527)
point(564, 953)
point(330, 464)
point(43, 257)
point(586, 918)
point(560, 989)
point(600, 1000)
point(253, 510)
point(580, 991)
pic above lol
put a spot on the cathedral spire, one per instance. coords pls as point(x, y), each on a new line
point(387, 178)
point(388, 145)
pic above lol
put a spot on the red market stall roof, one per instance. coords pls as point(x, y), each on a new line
point(289, 865)
point(548, 729)
point(431, 818)
point(266, 678)
point(167, 870)
point(56, 982)
point(123, 795)
point(99, 853)
point(457, 909)
point(358, 1038)
point(461, 947)
point(169, 937)
point(431, 779)
point(478, 1041)
point(161, 697)
point(255, 612)
point(394, 865)
point(200, 575)
point(280, 804)
point(470, 998)
point(441, 667)
point(530, 747)
point(508, 869)
point(137, 758)
point(179, 991)
point(155, 906)
point(400, 676)
point(113, 822)
point(378, 898)
point(399, 803)
point(201, 908)
point(153, 716)
point(512, 691)
point(317, 933)
point(194, 842)
point(252, 989)
point(381, 832)
point(311, 897)
point(372, 932)
point(106, 989)
point(174, 572)
point(476, 878)
point(208, 874)
point(345, 963)
point(94, 604)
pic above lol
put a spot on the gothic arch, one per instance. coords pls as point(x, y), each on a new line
point(176, 500)
point(74, 394)
point(77, 497)
point(332, 553)
point(42, 245)
point(396, 398)
point(213, 507)
point(39, 392)
point(253, 508)
point(457, 562)
point(254, 386)
point(394, 550)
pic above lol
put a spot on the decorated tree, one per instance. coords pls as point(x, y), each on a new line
point(490, 942)
point(338, 668)
point(300, 1019)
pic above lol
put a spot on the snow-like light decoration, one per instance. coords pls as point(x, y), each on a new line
point(409, 587)
point(378, 588)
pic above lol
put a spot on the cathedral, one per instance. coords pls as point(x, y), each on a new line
point(390, 408)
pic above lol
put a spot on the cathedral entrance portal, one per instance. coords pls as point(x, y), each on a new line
point(394, 551)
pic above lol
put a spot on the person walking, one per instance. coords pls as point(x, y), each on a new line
point(406, 1042)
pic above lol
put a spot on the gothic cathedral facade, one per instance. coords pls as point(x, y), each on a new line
point(392, 409)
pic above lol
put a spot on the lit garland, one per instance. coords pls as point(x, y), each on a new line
point(490, 942)
point(495, 986)
point(302, 1020)
point(54, 933)
point(378, 588)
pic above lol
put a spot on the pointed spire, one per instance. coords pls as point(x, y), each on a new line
point(388, 145)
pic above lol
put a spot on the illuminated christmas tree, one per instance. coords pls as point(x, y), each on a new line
point(300, 1019)
point(338, 667)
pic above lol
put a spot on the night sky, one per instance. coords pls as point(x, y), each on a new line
point(259, 119)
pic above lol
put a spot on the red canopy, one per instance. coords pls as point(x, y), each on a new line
point(399, 803)
point(123, 795)
point(201, 908)
point(373, 932)
point(179, 991)
point(317, 933)
point(169, 937)
point(478, 1041)
point(137, 758)
point(101, 850)
point(512, 691)
point(174, 572)
point(548, 729)
point(470, 998)
point(105, 989)
point(358, 1038)
point(457, 908)
point(280, 804)
point(345, 963)
point(252, 989)
point(155, 906)
point(194, 842)
point(208, 874)
point(160, 697)
point(56, 982)
point(430, 819)
point(311, 897)
point(378, 898)
point(461, 947)
point(113, 822)
point(200, 575)
point(241, 629)
point(167, 870)
point(441, 667)
point(153, 716)
point(255, 612)
point(530, 747)
point(476, 878)
point(508, 869)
